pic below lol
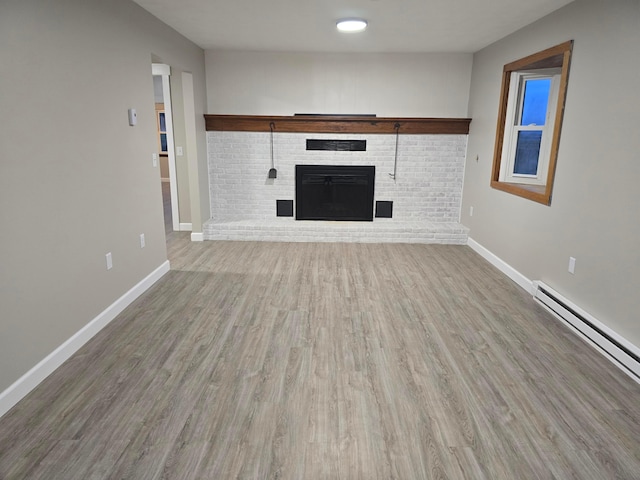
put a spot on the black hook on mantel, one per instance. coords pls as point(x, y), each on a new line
point(273, 173)
point(395, 161)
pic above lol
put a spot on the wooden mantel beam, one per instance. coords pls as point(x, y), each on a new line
point(336, 124)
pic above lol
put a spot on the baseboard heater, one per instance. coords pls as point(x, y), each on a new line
point(621, 352)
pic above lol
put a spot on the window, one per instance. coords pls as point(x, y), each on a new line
point(529, 121)
point(526, 143)
point(161, 127)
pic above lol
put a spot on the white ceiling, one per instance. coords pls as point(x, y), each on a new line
point(309, 25)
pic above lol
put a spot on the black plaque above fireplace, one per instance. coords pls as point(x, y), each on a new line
point(332, 192)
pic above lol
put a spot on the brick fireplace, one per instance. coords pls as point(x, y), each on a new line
point(425, 194)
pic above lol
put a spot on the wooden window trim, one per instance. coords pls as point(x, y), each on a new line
point(558, 56)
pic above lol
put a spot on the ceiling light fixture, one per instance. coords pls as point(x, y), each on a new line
point(351, 24)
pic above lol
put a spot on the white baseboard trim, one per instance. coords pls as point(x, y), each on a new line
point(613, 346)
point(504, 267)
point(591, 335)
point(21, 387)
point(186, 227)
point(197, 237)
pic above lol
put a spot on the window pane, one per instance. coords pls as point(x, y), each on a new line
point(527, 153)
point(163, 142)
point(536, 98)
point(163, 125)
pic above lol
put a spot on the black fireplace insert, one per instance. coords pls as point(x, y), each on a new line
point(334, 192)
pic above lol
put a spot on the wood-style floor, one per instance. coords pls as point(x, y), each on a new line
point(328, 361)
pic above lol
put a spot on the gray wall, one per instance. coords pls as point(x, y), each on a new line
point(158, 95)
point(595, 206)
point(76, 181)
point(389, 84)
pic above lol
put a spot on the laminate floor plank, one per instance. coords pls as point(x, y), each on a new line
point(257, 360)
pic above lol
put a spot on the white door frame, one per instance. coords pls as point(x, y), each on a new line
point(188, 97)
point(164, 71)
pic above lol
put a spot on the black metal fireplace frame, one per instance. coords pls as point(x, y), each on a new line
point(335, 179)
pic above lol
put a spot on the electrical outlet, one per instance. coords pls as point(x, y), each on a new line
point(142, 242)
point(572, 265)
point(154, 158)
point(471, 211)
point(179, 151)
point(109, 259)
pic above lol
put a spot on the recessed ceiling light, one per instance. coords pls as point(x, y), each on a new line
point(351, 24)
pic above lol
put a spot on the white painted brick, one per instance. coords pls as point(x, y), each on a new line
point(427, 188)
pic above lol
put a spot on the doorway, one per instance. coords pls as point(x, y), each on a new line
point(166, 148)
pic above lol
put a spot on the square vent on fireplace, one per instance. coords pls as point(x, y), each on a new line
point(284, 208)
